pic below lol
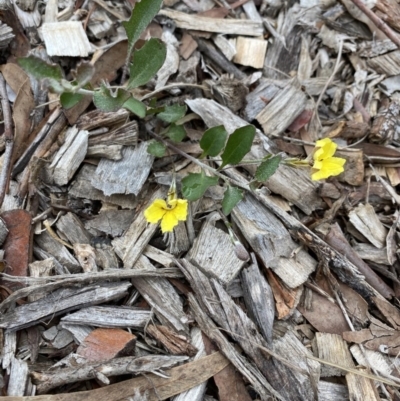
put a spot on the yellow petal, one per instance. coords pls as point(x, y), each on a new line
point(325, 148)
point(169, 221)
point(327, 168)
point(180, 210)
point(156, 211)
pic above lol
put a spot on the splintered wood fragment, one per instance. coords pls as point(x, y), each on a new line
point(3, 231)
point(6, 35)
point(58, 250)
point(214, 253)
point(40, 268)
point(97, 118)
point(103, 344)
point(9, 349)
point(61, 301)
point(305, 372)
point(361, 388)
point(46, 381)
point(388, 64)
point(72, 228)
point(19, 376)
point(173, 342)
point(250, 52)
point(248, 370)
point(159, 256)
point(372, 253)
point(369, 358)
point(162, 297)
point(111, 222)
point(65, 38)
point(125, 176)
point(70, 156)
point(217, 25)
point(79, 332)
point(328, 391)
point(110, 316)
point(152, 387)
point(366, 221)
point(272, 242)
point(82, 188)
point(332, 348)
point(226, 46)
point(259, 299)
point(86, 257)
point(282, 110)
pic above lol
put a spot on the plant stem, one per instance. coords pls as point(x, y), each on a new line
point(171, 86)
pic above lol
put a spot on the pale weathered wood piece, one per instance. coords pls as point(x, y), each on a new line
point(65, 38)
point(118, 366)
point(79, 332)
point(110, 316)
point(71, 228)
point(217, 25)
point(131, 245)
point(378, 361)
point(361, 388)
point(226, 46)
point(111, 222)
point(61, 301)
point(332, 348)
point(291, 382)
point(214, 253)
point(70, 156)
point(307, 373)
point(47, 284)
point(9, 349)
point(58, 250)
point(283, 55)
point(162, 297)
point(272, 242)
point(387, 64)
point(259, 299)
point(6, 35)
point(248, 370)
point(112, 152)
point(40, 268)
point(195, 393)
point(250, 52)
point(18, 380)
point(328, 391)
point(86, 257)
point(370, 252)
point(159, 256)
point(264, 92)
point(100, 119)
point(366, 221)
point(43, 255)
point(82, 188)
point(293, 184)
point(125, 176)
point(100, 24)
point(3, 231)
point(278, 114)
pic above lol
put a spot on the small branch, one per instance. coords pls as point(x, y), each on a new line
point(9, 140)
point(378, 22)
point(172, 86)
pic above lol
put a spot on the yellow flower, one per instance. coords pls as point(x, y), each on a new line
point(324, 163)
point(170, 213)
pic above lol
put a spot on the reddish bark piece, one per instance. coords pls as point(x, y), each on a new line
point(301, 120)
point(105, 344)
point(229, 381)
point(17, 246)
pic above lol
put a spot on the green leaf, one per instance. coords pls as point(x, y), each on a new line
point(156, 149)
point(142, 15)
point(176, 133)
point(267, 168)
point(39, 69)
point(232, 197)
point(69, 100)
point(84, 73)
point(173, 113)
point(195, 185)
point(213, 141)
point(136, 107)
point(146, 62)
point(238, 145)
point(105, 100)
